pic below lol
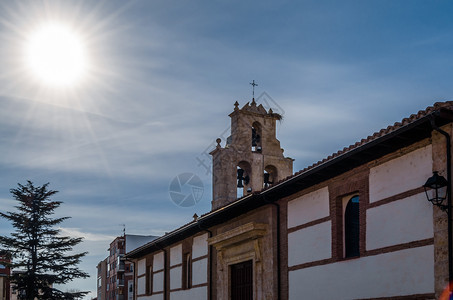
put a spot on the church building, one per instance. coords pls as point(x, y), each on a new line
point(356, 225)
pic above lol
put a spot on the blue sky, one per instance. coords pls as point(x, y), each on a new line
point(163, 77)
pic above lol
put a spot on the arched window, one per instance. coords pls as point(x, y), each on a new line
point(270, 176)
point(149, 281)
point(243, 178)
point(352, 228)
point(187, 270)
point(256, 137)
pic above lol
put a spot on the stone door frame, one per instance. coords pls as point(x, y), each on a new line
point(238, 245)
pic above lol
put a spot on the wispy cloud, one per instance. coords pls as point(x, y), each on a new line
point(87, 236)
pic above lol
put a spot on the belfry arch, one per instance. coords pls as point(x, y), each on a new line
point(256, 137)
point(251, 151)
point(270, 175)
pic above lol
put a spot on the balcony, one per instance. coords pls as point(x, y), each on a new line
point(120, 265)
point(120, 282)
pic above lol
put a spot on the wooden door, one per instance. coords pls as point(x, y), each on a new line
point(242, 281)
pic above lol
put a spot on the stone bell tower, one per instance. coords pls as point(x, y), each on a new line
point(251, 159)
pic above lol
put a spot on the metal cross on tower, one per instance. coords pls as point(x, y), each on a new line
point(253, 88)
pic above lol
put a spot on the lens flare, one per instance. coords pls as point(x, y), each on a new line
point(56, 55)
point(446, 295)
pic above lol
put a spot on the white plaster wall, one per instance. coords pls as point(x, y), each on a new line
point(200, 246)
point(309, 207)
point(197, 293)
point(141, 285)
point(399, 222)
point(153, 297)
point(176, 255)
point(141, 268)
point(158, 261)
point(158, 282)
point(405, 272)
point(401, 174)
point(200, 271)
point(310, 244)
point(175, 278)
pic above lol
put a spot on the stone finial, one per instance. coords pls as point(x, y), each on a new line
point(253, 102)
point(271, 111)
point(195, 216)
point(261, 109)
point(218, 140)
point(236, 105)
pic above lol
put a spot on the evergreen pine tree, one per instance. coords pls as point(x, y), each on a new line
point(40, 256)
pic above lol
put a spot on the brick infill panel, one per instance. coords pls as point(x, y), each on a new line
point(309, 224)
point(157, 293)
point(397, 197)
point(159, 271)
point(399, 247)
point(199, 285)
point(312, 264)
point(408, 297)
point(199, 258)
point(389, 249)
point(176, 266)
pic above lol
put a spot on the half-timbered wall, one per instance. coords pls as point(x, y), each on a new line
point(396, 239)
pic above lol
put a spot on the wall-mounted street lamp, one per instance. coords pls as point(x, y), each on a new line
point(438, 184)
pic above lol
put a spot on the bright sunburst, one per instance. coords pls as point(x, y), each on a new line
point(56, 55)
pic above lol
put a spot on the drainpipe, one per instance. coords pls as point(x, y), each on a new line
point(279, 281)
point(210, 260)
point(166, 274)
point(449, 206)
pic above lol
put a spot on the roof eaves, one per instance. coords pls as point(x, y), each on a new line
point(335, 158)
point(378, 137)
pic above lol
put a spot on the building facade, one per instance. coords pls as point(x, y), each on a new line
point(356, 225)
point(102, 280)
point(4, 273)
point(115, 274)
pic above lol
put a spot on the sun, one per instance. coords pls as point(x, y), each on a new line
point(56, 55)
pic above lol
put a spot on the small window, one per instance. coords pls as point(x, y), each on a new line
point(352, 228)
point(149, 280)
point(187, 271)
